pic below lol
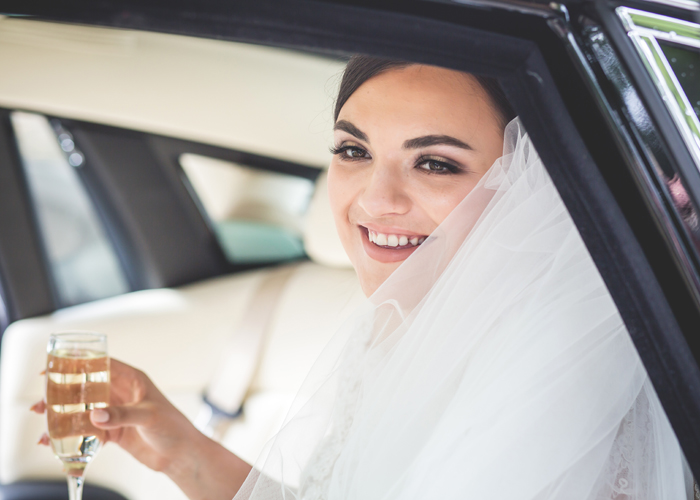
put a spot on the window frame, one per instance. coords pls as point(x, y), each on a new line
point(41, 226)
point(172, 149)
point(24, 272)
point(645, 29)
point(141, 246)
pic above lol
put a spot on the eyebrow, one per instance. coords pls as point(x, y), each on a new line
point(433, 140)
point(351, 129)
point(418, 142)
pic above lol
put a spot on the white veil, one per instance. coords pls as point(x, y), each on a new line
point(492, 364)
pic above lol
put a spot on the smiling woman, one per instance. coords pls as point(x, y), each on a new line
point(489, 346)
point(398, 170)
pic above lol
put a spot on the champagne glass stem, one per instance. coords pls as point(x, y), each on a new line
point(75, 487)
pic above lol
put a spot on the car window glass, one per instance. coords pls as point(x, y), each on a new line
point(667, 47)
point(82, 261)
point(257, 215)
point(686, 65)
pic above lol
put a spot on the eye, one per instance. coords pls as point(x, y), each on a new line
point(437, 167)
point(350, 152)
point(433, 166)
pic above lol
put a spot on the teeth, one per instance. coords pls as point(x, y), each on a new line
point(394, 240)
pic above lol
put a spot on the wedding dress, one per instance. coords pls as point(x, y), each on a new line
point(492, 364)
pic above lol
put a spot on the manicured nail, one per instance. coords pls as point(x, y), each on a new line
point(38, 407)
point(100, 416)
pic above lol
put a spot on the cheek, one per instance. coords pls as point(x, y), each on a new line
point(438, 205)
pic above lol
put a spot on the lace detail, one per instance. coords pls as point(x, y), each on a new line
point(625, 475)
point(316, 477)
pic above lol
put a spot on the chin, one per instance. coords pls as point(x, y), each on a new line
point(371, 272)
point(373, 276)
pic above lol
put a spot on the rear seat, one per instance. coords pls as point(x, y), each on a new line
point(174, 335)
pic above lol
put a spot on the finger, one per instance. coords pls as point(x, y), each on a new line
point(124, 369)
point(115, 363)
point(129, 384)
point(44, 440)
point(123, 416)
point(39, 407)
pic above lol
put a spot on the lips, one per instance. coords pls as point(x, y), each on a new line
point(389, 246)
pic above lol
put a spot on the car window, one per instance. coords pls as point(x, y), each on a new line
point(686, 66)
point(81, 259)
point(257, 215)
point(668, 48)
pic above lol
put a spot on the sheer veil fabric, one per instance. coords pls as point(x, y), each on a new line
point(492, 364)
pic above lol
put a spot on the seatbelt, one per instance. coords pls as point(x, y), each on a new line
point(223, 399)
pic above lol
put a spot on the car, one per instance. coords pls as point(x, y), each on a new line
point(177, 200)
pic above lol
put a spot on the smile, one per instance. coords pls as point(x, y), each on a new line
point(389, 247)
point(394, 240)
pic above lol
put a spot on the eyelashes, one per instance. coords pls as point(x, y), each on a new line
point(349, 152)
point(425, 163)
point(438, 166)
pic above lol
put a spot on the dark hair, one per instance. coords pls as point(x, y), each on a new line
point(361, 68)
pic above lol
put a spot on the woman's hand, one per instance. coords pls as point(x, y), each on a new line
point(141, 420)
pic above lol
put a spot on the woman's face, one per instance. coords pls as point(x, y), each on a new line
point(409, 145)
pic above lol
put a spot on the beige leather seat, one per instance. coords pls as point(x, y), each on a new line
point(174, 335)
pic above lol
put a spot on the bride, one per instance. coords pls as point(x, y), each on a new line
point(489, 361)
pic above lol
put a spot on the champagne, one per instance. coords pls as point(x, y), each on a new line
point(77, 381)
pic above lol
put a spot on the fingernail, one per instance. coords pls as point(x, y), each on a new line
point(100, 416)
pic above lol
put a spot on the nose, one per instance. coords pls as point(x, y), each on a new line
point(385, 192)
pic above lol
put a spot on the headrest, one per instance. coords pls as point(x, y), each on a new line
point(321, 240)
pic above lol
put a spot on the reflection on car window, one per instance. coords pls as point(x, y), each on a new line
point(82, 260)
point(257, 214)
point(686, 66)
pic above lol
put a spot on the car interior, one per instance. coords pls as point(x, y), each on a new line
point(169, 190)
point(250, 150)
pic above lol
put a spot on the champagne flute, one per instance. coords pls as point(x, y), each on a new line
point(77, 381)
